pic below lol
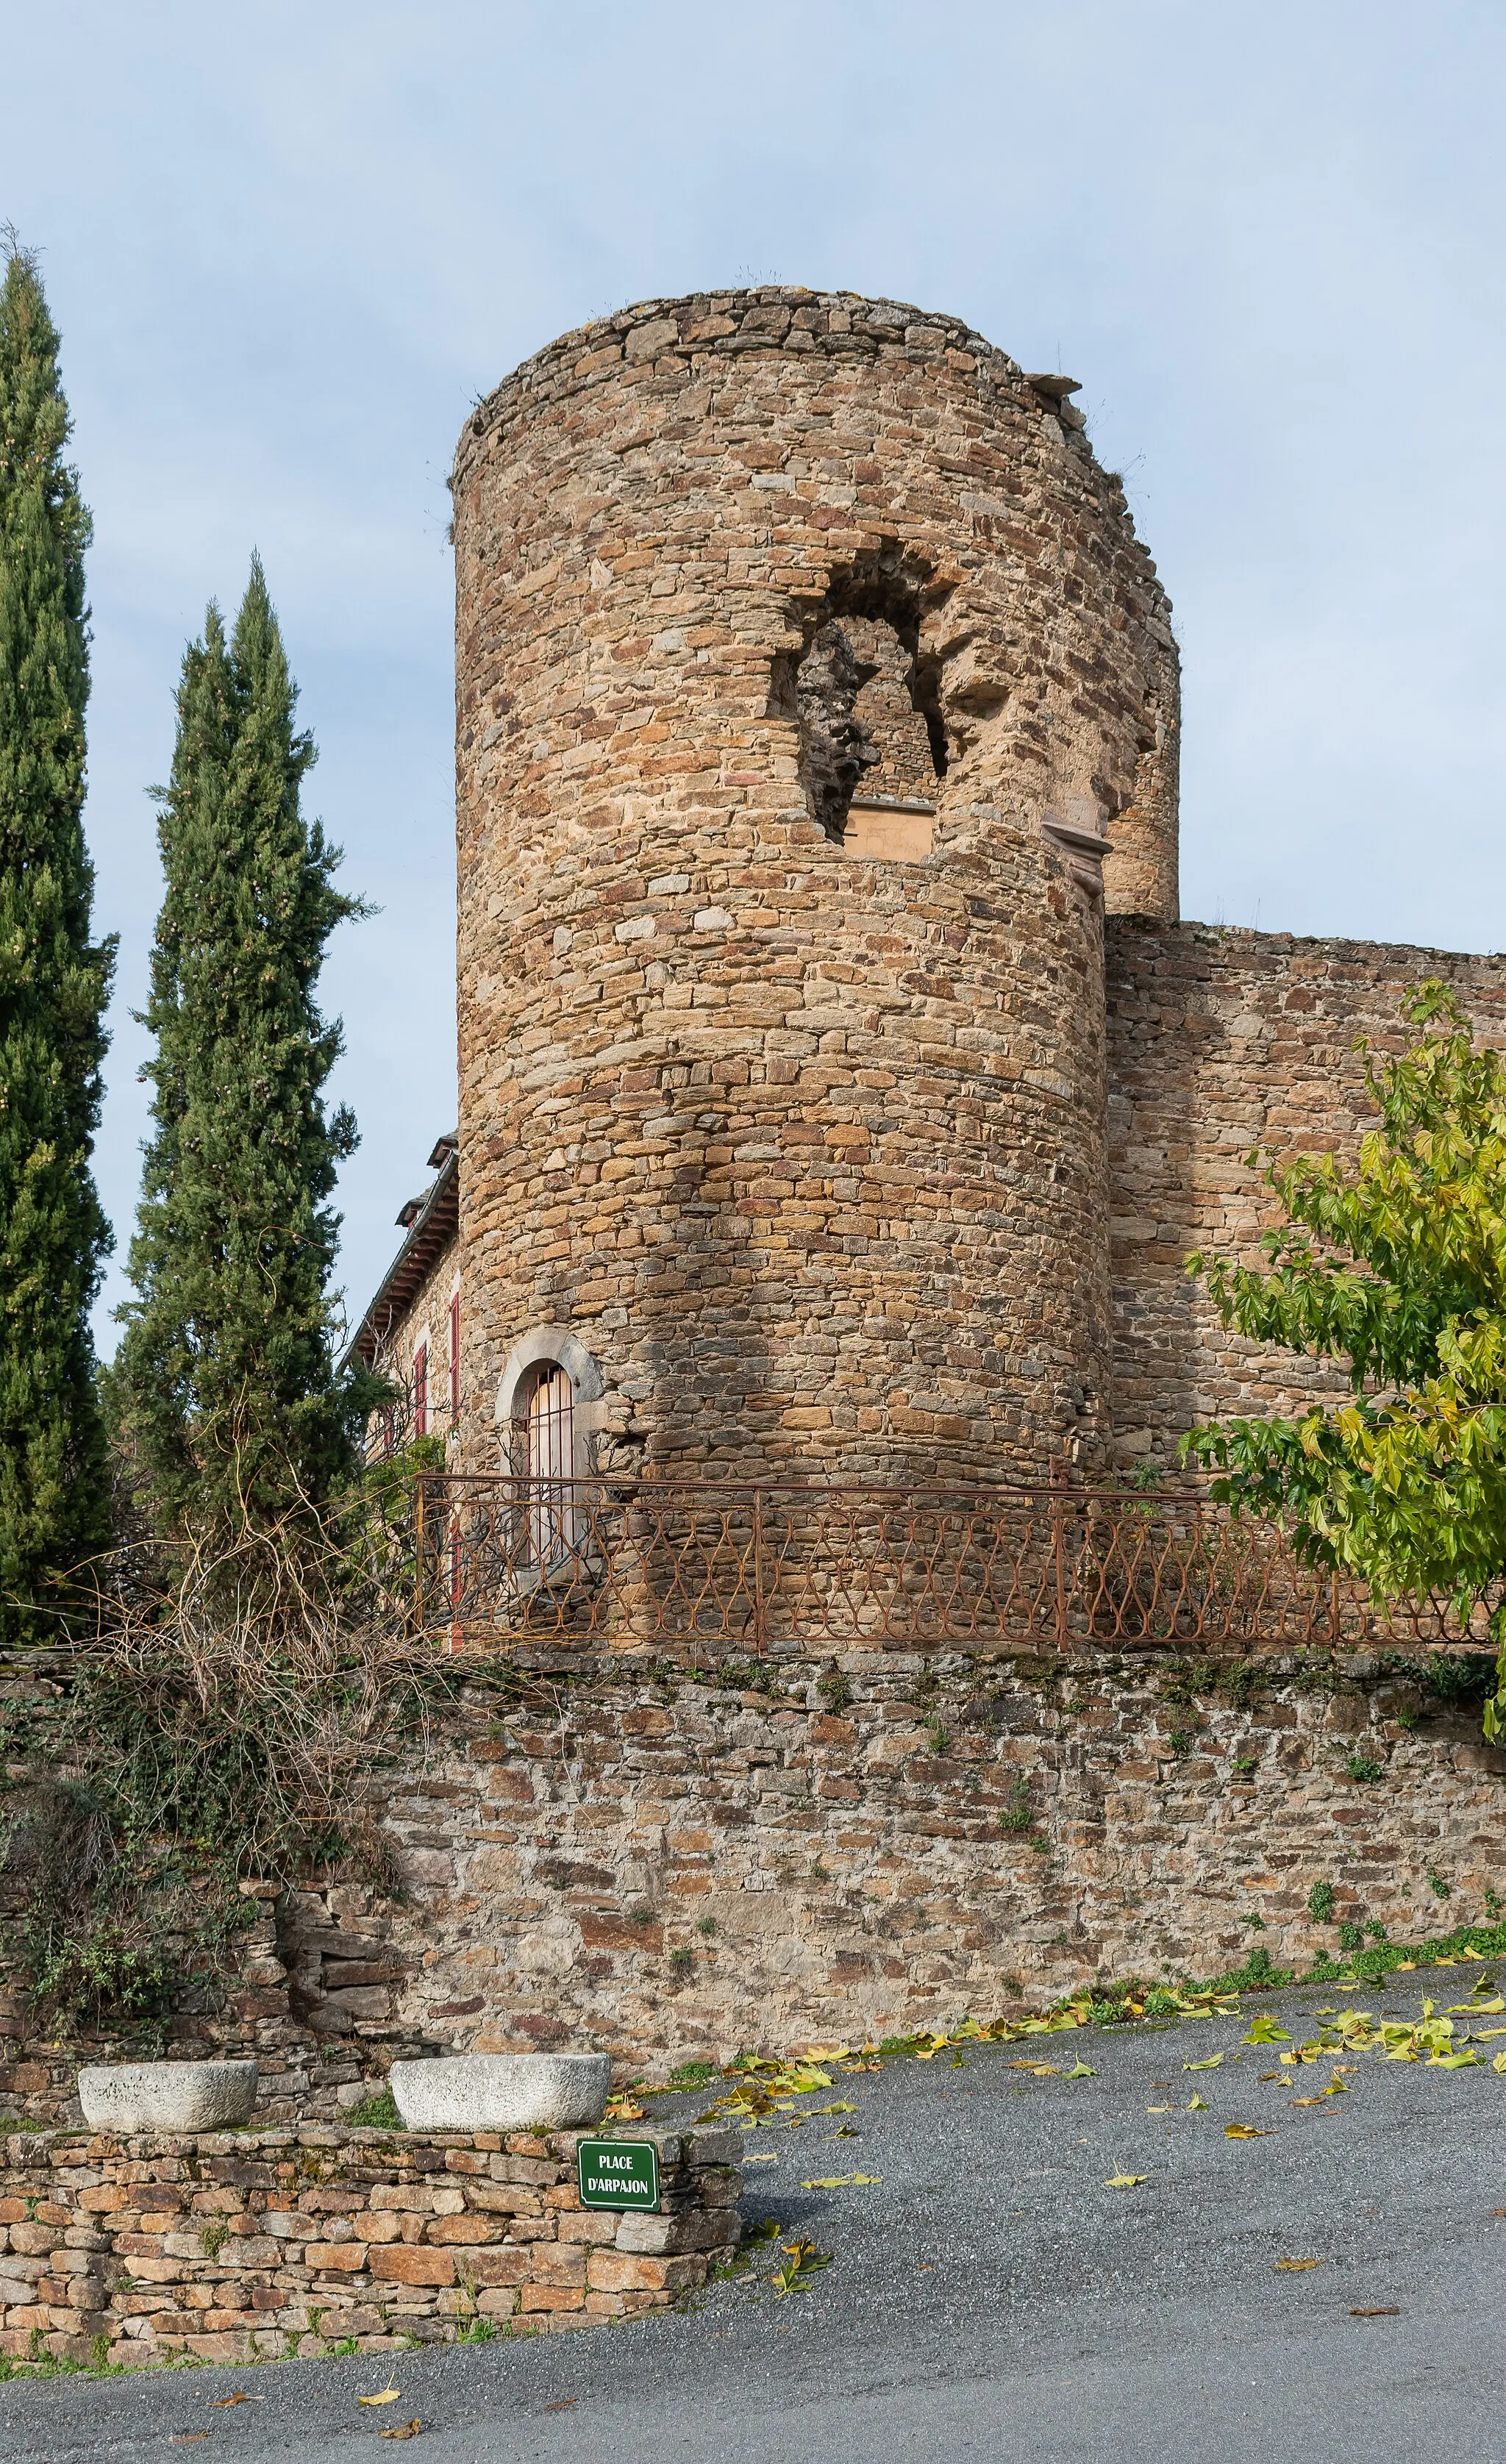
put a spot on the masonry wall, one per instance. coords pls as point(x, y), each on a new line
point(674, 1867)
point(1220, 1041)
point(805, 1147)
point(252, 2245)
point(428, 1316)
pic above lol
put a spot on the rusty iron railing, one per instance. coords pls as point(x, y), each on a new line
point(734, 1569)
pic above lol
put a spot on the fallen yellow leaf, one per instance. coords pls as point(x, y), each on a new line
point(1197, 2105)
point(1157, 2108)
point(1307, 2099)
point(1212, 2064)
point(1245, 2130)
point(388, 2395)
point(1296, 2266)
point(403, 2429)
point(1125, 2181)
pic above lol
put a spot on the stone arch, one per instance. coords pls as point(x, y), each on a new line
point(547, 1347)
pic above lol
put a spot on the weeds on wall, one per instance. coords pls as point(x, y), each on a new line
point(224, 1727)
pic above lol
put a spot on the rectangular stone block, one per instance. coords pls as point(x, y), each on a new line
point(501, 2199)
point(620, 2270)
point(588, 2224)
point(404, 2262)
point(557, 2262)
point(460, 2228)
point(661, 2236)
point(504, 2264)
point(347, 2257)
point(419, 2198)
point(714, 2147)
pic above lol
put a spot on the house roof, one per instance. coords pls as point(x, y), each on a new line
point(429, 1223)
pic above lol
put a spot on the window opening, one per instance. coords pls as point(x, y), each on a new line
point(550, 1466)
point(871, 735)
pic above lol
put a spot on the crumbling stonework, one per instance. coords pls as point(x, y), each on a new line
point(244, 2246)
point(805, 657)
point(805, 1147)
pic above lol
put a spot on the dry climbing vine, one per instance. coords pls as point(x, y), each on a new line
point(226, 1722)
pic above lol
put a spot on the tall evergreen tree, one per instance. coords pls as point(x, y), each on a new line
point(53, 984)
point(227, 1369)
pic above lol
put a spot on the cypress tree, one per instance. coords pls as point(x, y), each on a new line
point(53, 984)
point(227, 1368)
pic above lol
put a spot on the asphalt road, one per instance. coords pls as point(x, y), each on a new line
point(990, 2297)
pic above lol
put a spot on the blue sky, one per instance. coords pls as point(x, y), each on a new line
point(289, 247)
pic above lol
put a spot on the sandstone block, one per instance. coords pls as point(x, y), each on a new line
point(620, 2270)
point(407, 2263)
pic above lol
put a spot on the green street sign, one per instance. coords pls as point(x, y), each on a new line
point(617, 2172)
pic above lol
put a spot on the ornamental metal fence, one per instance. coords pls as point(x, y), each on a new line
point(728, 1570)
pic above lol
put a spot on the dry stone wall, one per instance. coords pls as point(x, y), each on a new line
point(243, 2246)
point(1221, 1041)
point(805, 1147)
point(674, 1867)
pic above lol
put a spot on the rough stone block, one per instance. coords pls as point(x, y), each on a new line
point(405, 2263)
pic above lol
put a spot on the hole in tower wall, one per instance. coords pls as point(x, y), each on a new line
point(870, 732)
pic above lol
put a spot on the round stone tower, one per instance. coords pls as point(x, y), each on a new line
point(813, 694)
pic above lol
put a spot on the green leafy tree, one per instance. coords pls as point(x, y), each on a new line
point(1396, 1267)
point(54, 984)
point(229, 1395)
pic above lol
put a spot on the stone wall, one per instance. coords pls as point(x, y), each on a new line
point(1220, 1041)
point(244, 2245)
point(674, 1867)
point(805, 1147)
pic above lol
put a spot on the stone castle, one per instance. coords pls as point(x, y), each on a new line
point(840, 1092)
